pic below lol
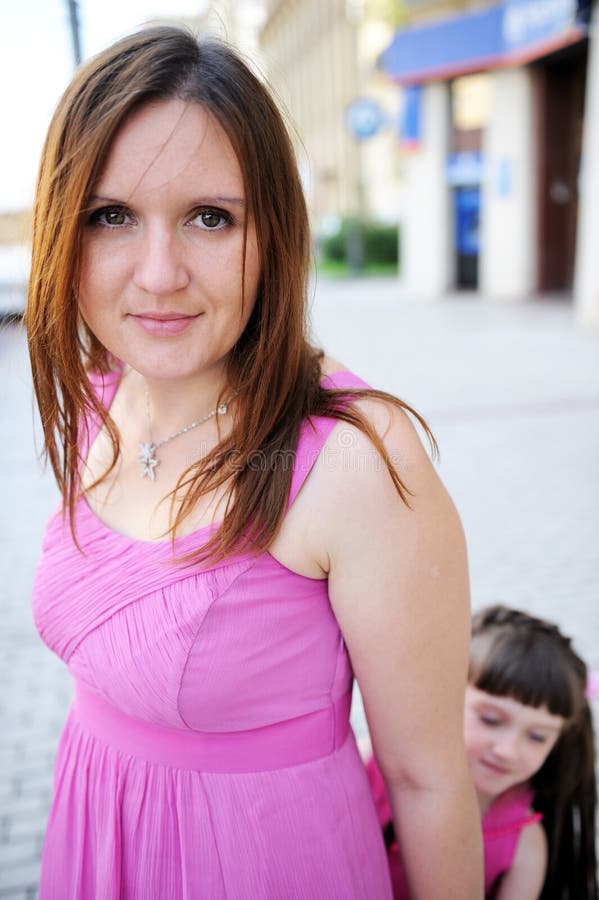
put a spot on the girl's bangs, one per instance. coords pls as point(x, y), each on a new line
point(528, 668)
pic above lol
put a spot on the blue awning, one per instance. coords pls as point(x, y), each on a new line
point(508, 33)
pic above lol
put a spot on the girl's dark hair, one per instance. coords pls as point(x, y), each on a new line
point(273, 369)
point(526, 658)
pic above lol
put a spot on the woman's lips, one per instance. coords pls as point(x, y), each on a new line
point(163, 324)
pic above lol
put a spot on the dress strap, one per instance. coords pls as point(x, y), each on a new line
point(510, 813)
point(315, 431)
point(499, 831)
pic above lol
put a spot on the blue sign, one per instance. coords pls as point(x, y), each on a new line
point(527, 22)
point(363, 118)
point(464, 169)
point(410, 122)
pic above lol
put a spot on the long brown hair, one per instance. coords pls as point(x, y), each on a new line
point(273, 369)
point(526, 658)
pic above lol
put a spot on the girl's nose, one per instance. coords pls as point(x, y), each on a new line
point(160, 267)
point(507, 745)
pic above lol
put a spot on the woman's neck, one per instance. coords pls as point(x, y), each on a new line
point(172, 405)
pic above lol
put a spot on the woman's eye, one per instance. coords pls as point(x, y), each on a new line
point(110, 217)
point(212, 219)
point(538, 738)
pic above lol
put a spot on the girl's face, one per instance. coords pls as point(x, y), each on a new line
point(163, 246)
point(506, 741)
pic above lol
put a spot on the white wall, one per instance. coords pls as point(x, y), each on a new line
point(427, 268)
point(508, 201)
point(586, 279)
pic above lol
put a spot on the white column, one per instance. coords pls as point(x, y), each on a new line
point(427, 268)
point(586, 278)
point(508, 200)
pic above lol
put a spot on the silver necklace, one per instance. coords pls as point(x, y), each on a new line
point(147, 449)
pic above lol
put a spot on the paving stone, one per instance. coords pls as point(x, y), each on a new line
point(31, 804)
point(39, 780)
point(20, 852)
point(19, 827)
point(20, 878)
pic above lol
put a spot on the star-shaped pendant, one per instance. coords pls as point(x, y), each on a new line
point(147, 460)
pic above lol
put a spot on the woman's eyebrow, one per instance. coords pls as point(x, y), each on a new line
point(110, 200)
point(200, 201)
point(207, 200)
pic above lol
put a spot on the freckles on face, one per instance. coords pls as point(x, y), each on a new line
point(170, 264)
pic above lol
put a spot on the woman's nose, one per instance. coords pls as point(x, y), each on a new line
point(160, 263)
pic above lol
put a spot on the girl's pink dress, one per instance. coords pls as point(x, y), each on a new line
point(502, 826)
point(208, 752)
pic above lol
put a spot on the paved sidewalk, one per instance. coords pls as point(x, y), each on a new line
point(512, 394)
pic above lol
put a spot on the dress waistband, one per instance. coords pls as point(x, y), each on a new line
point(277, 746)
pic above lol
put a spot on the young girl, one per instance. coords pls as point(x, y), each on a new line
point(529, 739)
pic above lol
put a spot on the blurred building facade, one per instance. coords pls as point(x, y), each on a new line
point(320, 59)
point(235, 21)
point(501, 186)
point(488, 151)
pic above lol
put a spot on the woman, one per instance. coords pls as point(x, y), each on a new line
point(234, 530)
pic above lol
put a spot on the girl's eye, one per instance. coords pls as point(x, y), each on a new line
point(110, 217)
point(538, 738)
point(490, 720)
point(212, 219)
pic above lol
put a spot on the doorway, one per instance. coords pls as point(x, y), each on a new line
point(559, 85)
point(471, 98)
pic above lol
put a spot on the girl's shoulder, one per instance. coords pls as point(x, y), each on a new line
point(515, 845)
point(526, 875)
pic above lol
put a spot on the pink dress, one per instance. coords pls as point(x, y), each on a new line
point(502, 826)
point(208, 752)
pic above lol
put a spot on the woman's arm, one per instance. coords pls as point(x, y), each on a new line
point(524, 881)
point(399, 589)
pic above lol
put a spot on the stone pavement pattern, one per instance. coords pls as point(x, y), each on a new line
point(512, 394)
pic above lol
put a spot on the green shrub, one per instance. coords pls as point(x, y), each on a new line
point(332, 247)
point(380, 243)
point(377, 244)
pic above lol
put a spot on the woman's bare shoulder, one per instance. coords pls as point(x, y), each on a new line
point(392, 420)
point(329, 366)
